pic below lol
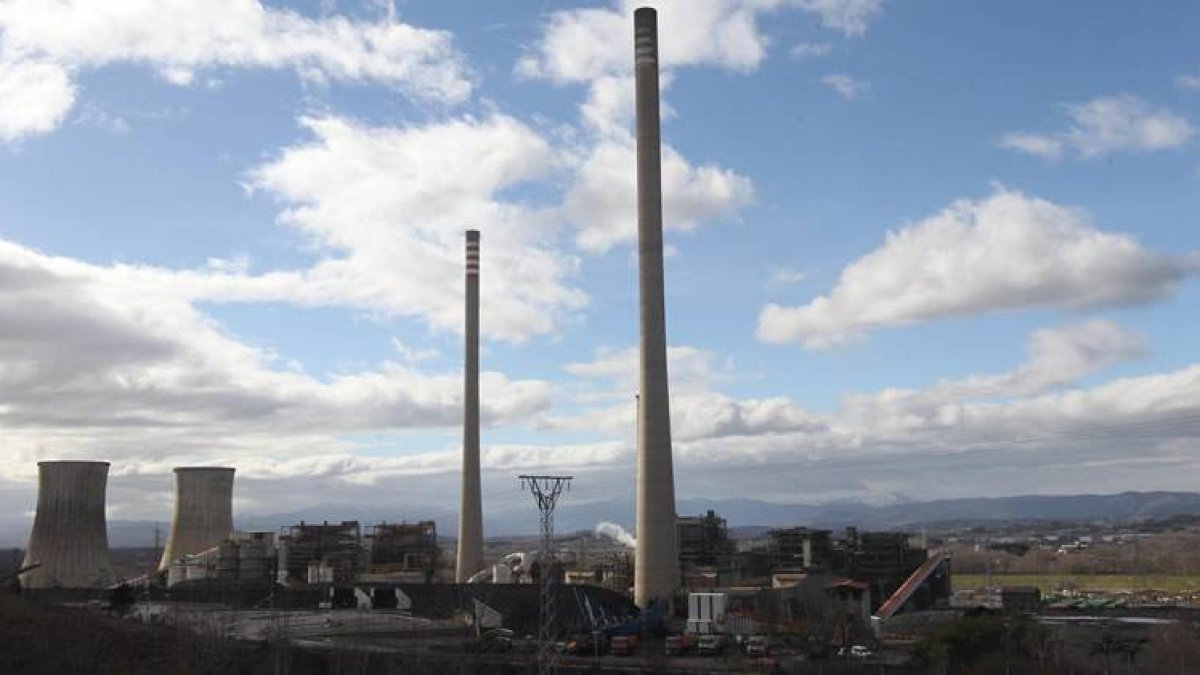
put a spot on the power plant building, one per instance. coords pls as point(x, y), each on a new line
point(203, 511)
point(324, 550)
point(404, 547)
point(69, 542)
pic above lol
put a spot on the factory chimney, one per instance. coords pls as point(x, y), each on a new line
point(203, 511)
point(656, 564)
point(470, 514)
point(70, 538)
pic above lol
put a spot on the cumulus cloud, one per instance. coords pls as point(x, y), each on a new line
point(851, 17)
point(1057, 358)
point(591, 46)
point(878, 444)
point(387, 206)
point(846, 86)
point(1104, 126)
point(44, 45)
point(1006, 252)
point(585, 44)
point(109, 362)
point(602, 202)
point(37, 95)
point(1191, 82)
point(698, 410)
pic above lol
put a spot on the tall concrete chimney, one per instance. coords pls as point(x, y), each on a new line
point(470, 513)
point(203, 511)
point(656, 564)
point(70, 536)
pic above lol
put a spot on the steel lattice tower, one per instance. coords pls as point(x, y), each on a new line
point(545, 491)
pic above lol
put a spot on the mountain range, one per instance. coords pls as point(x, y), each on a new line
point(741, 513)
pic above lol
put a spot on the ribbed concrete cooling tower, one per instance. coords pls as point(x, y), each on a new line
point(656, 563)
point(470, 514)
point(70, 537)
point(203, 511)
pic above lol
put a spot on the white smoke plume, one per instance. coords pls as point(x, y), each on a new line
point(616, 533)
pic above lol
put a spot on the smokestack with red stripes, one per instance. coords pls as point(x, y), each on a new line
point(656, 563)
point(470, 514)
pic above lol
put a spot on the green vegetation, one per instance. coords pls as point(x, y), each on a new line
point(1170, 583)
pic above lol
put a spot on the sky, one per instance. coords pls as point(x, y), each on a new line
point(915, 250)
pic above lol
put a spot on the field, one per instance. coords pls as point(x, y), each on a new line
point(1171, 583)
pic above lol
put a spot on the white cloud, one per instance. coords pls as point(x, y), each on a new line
point(386, 208)
point(586, 44)
point(602, 202)
point(35, 96)
point(697, 410)
point(973, 428)
point(1006, 252)
point(44, 44)
point(110, 362)
point(412, 355)
point(848, 16)
point(847, 87)
point(1058, 357)
point(1191, 82)
point(1106, 125)
point(807, 50)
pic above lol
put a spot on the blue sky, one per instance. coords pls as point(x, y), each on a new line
point(231, 232)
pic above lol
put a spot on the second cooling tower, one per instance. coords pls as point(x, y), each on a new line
point(203, 511)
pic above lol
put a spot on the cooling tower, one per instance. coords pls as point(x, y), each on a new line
point(470, 514)
point(203, 511)
point(69, 539)
point(656, 563)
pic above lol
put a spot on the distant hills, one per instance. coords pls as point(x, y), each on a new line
point(522, 519)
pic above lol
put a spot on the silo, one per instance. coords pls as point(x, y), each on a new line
point(203, 511)
point(69, 541)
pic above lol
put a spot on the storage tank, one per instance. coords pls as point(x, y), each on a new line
point(203, 511)
point(69, 540)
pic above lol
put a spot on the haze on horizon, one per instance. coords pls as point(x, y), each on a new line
point(915, 251)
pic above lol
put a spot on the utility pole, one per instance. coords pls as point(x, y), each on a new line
point(545, 491)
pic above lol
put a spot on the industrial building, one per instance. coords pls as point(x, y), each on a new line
point(800, 548)
point(703, 540)
point(404, 548)
point(246, 558)
point(322, 552)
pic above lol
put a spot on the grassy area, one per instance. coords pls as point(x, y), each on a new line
point(1170, 583)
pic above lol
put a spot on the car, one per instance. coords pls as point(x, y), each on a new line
point(856, 652)
point(758, 645)
point(711, 644)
